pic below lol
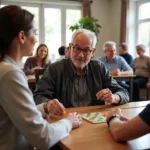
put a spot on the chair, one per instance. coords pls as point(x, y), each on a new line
point(38, 72)
point(147, 90)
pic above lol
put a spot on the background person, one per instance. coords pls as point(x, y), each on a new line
point(67, 52)
point(141, 68)
point(116, 65)
point(123, 52)
point(21, 122)
point(61, 52)
point(39, 61)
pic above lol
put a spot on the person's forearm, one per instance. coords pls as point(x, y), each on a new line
point(129, 72)
point(124, 131)
point(115, 127)
point(112, 73)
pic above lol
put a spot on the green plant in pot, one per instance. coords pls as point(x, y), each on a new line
point(89, 23)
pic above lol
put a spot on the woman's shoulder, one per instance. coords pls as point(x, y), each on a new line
point(31, 58)
point(6, 69)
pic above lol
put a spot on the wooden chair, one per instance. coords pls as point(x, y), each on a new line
point(38, 73)
point(147, 92)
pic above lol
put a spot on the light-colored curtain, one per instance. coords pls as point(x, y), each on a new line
point(86, 8)
point(124, 17)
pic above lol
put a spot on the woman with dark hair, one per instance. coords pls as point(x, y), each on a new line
point(21, 122)
point(39, 61)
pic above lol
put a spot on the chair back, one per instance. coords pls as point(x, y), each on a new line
point(38, 72)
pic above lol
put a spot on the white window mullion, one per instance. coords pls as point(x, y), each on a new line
point(41, 25)
point(63, 26)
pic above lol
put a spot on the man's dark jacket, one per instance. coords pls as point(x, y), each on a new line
point(57, 82)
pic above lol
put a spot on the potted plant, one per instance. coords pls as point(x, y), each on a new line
point(89, 23)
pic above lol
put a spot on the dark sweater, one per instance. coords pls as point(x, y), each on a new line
point(57, 82)
point(128, 58)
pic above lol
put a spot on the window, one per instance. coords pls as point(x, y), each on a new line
point(143, 23)
point(53, 21)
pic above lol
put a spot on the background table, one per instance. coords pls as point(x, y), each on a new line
point(128, 78)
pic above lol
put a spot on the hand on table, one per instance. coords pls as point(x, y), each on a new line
point(115, 72)
point(76, 120)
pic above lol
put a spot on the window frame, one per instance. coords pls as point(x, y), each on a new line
point(139, 21)
point(63, 6)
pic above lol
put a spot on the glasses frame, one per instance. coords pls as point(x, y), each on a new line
point(78, 51)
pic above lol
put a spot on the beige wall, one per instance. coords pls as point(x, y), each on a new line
point(108, 14)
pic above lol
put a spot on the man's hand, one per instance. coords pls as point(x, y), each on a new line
point(115, 72)
point(55, 107)
point(107, 96)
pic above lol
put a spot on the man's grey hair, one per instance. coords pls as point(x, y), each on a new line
point(86, 33)
point(142, 46)
point(109, 43)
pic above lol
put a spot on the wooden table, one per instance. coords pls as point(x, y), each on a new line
point(128, 78)
point(97, 136)
point(30, 78)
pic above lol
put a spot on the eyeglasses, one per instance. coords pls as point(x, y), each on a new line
point(111, 51)
point(77, 49)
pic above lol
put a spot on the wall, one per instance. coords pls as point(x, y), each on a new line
point(108, 14)
point(115, 19)
point(131, 28)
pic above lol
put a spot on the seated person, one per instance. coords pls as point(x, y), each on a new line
point(141, 68)
point(61, 52)
point(39, 61)
point(116, 65)
point(123, 129)
point(67, 52)
point(123, 52)
point(78, 80)
point(22, 126)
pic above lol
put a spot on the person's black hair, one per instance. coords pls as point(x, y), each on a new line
point(61, 50)
point(124, 46)
point(13, 19)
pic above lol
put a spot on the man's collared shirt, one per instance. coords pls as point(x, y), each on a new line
point(81, 95)
point(117, 63)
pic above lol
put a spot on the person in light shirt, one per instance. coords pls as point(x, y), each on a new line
point(22, 126)
point(115, 64)
point(141, 68)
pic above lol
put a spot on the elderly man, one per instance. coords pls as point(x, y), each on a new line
point(78, 80)
point(116, 65)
